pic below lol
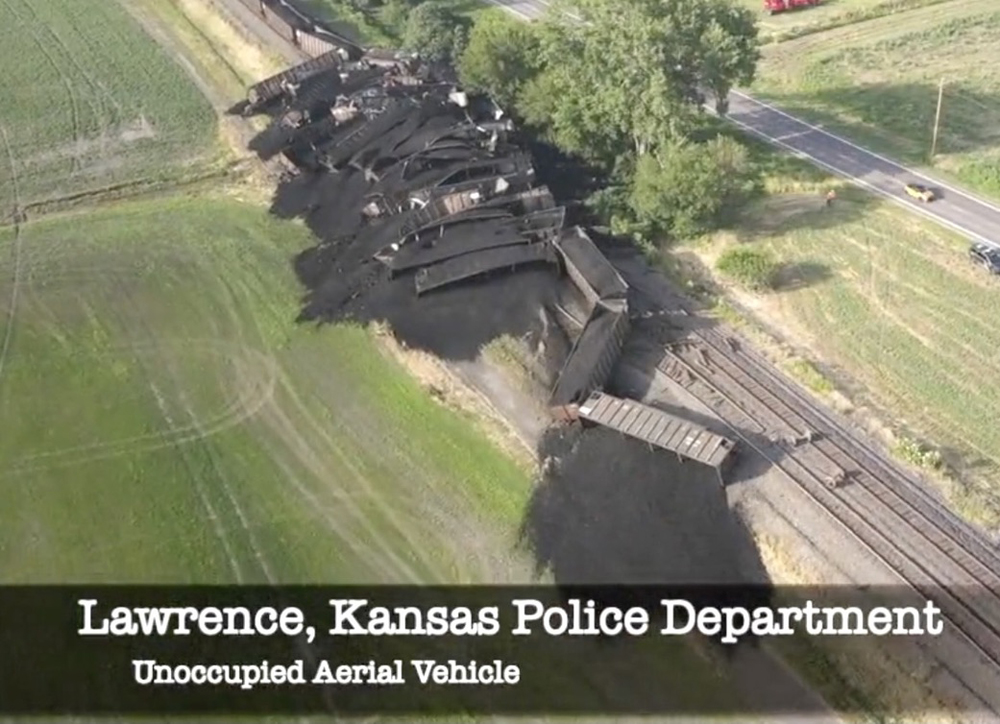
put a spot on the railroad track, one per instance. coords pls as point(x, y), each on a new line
point(896, 519)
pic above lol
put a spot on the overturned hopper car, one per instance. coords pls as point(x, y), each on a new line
point(660, 429)
point(592, 358)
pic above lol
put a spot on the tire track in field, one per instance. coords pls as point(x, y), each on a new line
point(382, 555)
point(235, 413)
point(67, 84)
point(220, 475)
point(94, 84)
point(333, 516)
point(185, 452)
point(291, 433)
point(210, 511)
point(15, 251)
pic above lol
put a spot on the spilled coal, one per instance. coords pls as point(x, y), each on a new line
point(428, 151)
point(615, 521)
point(387, 158)
point(611, 509)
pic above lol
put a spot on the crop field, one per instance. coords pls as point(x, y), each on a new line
point(877, 83)
point(828, 14)
point(90, 102)
point(164, 420)
point(892, 304)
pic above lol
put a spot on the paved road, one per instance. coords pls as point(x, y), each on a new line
point(961, 211)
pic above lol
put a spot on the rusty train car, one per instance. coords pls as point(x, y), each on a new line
point(311, 35)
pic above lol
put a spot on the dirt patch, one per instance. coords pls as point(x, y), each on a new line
point(445, 387)
point(111, 141)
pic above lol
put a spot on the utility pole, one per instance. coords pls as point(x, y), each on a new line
point(937, 119)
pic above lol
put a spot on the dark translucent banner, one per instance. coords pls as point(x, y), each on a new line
point(494, 650)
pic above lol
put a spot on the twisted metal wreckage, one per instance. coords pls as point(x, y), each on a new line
point(434, 184)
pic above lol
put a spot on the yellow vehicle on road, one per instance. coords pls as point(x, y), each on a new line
point(921, 193)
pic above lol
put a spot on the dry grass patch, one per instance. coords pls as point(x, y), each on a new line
point(247, 59)
point(853, 673)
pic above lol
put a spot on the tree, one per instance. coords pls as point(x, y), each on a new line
point(625, 76)
point(501, 55)
point(434, 31)
point(686, 188)
point(729, 52)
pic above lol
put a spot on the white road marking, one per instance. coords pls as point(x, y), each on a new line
point(792, 135)
point(509, 8)
point(861, 182)
point(864, 150)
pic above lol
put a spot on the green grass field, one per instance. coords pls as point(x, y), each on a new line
point(892, 304)
point(164, 420)
point(877, 83)
point(90, 102)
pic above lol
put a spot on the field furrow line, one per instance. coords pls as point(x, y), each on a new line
point(211, 513)
point(221, 476)
point(15, 252)
point(94, 84)
point(67, 84)
point(378, 538)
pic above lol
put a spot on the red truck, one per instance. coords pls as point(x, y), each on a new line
point(780, 6)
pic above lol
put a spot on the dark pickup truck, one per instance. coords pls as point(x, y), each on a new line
point(986, 256)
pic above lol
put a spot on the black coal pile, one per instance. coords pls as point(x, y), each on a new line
point(414, 190)
point(618, 522)
point(611, 509)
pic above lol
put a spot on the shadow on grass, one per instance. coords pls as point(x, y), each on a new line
point(780, 213)
point(800, 275)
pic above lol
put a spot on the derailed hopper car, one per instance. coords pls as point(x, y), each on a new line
point(660, 429)
point(469, 266)
point(270, 89)
point(593, 357)
point(589, 269)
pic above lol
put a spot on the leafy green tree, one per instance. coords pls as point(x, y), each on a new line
point(729, 52)
point(625, 76)
point(686, 188)
point(501, 55)
point(435, 31)
point(393, 15)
